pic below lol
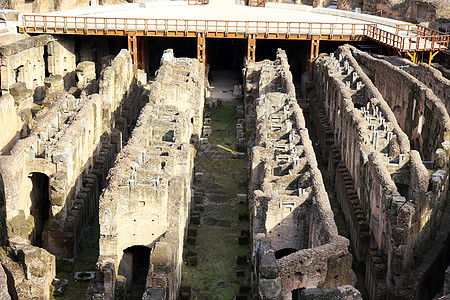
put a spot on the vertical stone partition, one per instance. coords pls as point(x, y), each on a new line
point(145, 207)
point(389, 138)
point(10, 123)
point(295, 240)
point(52, 177)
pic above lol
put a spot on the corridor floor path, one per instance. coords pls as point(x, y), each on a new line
point(219, 244)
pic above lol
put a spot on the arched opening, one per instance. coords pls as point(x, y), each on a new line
point(40, 205)
point(134, 266)
point(284, 252)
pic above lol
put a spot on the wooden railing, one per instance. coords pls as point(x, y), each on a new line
point(416, 30)
point(410, 38)
point(5, 4)
point(198, 2)
point(256, 3)
point(406, 37)
point(77, 25)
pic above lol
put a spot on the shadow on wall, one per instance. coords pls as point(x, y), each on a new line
point(62, 236)
point(433, 280)
point(3, 232)
point(292, 233)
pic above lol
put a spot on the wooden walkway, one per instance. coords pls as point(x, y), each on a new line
point(407, 39)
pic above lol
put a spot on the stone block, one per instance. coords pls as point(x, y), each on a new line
point(198, 177)
point(53, 84)
point(241, 198)
point(243, 217)
point(23, 97)
point(192, 232)
point(240, 273)
point(60, 287)
point(195, 219)
point(268, 265)
point(185, 292)
point(198, 199)
point(441, 158)
point(243, 240)
point(85, 73)
point(241, 260)
point(62, 156)
point(270, 288)
point(192, 260)
point(162, 255)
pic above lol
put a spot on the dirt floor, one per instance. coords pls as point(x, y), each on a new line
point(86, 260)
point(222, 219)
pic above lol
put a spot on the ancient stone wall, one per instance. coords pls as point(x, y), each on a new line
point(295, 239)
point(346, 292)
point(43, 6)
point(65, 144)
point(426, 74)
point(31, 60)
point(53, 176)
point(61, 60)
point(379, 180)
point(148, 195)
point(413, 103)
point(10, 123)
point(23, 61)
point(410, 11)
point(321, 3)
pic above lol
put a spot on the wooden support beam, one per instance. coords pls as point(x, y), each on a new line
point(251, 48)
point(133, 48)
point(313, 53)
point(140, 53)
point(432, 55)
point(413, 56)
point(201, 48)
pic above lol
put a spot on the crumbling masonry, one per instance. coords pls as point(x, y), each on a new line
point(295, 239)
point(84, 137)
point(387, 138)
point(150, 185)
point(55, 158)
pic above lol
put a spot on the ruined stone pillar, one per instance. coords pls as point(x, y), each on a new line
point(85, 73)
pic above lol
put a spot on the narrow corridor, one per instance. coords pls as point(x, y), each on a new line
point(217, 251)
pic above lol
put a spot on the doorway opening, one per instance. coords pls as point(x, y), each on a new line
point(134, 266)
point(40, 205)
